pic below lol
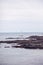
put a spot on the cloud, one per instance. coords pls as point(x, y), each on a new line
point(21, 15)
point(14, 26)
point(14, 9)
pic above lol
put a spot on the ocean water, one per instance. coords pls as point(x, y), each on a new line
point(22, 35)
point(19, 56)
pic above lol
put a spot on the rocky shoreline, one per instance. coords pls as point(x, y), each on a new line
point(32, 42)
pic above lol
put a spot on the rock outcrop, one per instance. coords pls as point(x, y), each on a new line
point(33, 42)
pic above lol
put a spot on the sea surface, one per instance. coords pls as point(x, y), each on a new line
point(18, 35)
point(19, 56)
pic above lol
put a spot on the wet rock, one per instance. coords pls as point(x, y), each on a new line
point(33, 42)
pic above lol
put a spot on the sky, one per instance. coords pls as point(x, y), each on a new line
point(21, 15)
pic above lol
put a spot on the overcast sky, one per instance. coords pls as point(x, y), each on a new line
point(21, 15)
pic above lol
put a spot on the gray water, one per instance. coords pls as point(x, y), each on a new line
point(20, 56)
point(22, 35)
